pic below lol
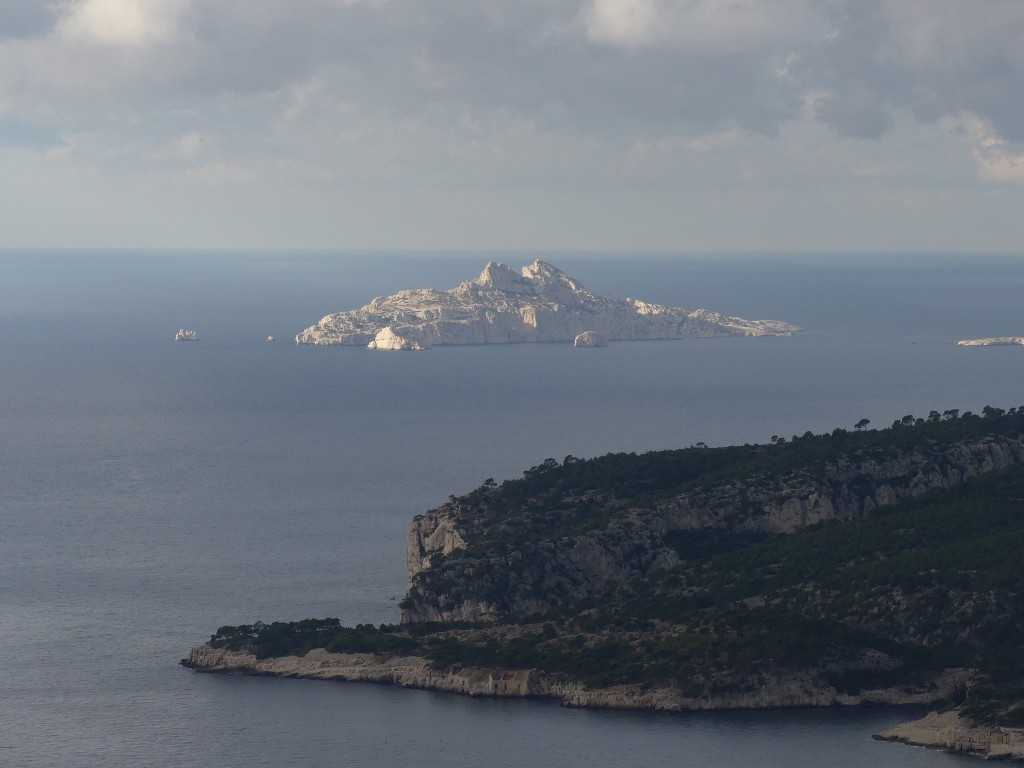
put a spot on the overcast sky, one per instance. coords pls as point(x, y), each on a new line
point(513, 124)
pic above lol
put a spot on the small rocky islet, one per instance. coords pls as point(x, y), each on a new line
point(994, 341)
point(856, 567)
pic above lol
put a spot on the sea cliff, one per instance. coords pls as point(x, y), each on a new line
point(406, 671)
point(786, 690)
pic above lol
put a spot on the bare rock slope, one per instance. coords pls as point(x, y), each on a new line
point(952, 732)
point(502, 307)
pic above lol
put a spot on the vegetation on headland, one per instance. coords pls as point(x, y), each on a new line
point(282, 638)
point(888, 599)
point(534, 506)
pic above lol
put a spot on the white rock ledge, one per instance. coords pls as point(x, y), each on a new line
point(794, 689)
point(996, 341)
point(503, 307)
point(947, 731)
point(951, 732)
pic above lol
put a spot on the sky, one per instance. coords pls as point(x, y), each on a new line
point(681, 125)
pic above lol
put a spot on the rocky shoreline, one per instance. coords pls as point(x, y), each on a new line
point(951, 732)
point(947, 731)
point(404, 671)
point(795, 689)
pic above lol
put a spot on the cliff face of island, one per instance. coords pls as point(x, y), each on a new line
point(879, 566)
point(502, 307)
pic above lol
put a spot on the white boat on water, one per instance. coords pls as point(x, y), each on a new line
point(270, 339)
point(185, 334)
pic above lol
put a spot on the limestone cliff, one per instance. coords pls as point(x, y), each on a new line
point(406, 671)
point(791, 689)
point(952, 732)
point(502, 307)
point(475, 583)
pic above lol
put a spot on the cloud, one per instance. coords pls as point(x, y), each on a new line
point(934, 57)
point(218, 174)
point(996, 161)
point(856, 111)
point(610, 66)
point(623, 22)
point(572, 95)
point(189, 145)
point(1000, 166)
point(25, 18)
point(136, 23)
point(707, 25)
point(16, 132)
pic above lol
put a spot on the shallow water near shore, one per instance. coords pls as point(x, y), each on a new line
point(153, 491)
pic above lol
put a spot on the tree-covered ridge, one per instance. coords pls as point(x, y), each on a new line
point(890, 598)
point(282, 638)
point(597, 487)
point(565, 529)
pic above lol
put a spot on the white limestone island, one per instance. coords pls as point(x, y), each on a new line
point(503, 307)
point(993, 342)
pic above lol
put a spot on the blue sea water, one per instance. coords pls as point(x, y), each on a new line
point(153, 491)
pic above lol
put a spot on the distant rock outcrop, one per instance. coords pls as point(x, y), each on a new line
point(589, 339)
point(996, 341)
point(503, 307)
point(951, 732)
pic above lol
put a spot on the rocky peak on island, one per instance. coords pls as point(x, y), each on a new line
point(542, 303)
point(498, 277)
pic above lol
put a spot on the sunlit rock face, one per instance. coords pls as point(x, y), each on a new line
point(542, 303)
point(589, 339)
point(996, 341)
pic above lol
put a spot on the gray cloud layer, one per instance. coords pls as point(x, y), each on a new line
point(557, 60)
point(464, 93)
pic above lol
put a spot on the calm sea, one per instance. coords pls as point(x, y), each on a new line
point(153, 491)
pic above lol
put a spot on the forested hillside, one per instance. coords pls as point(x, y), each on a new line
point(856, 561)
